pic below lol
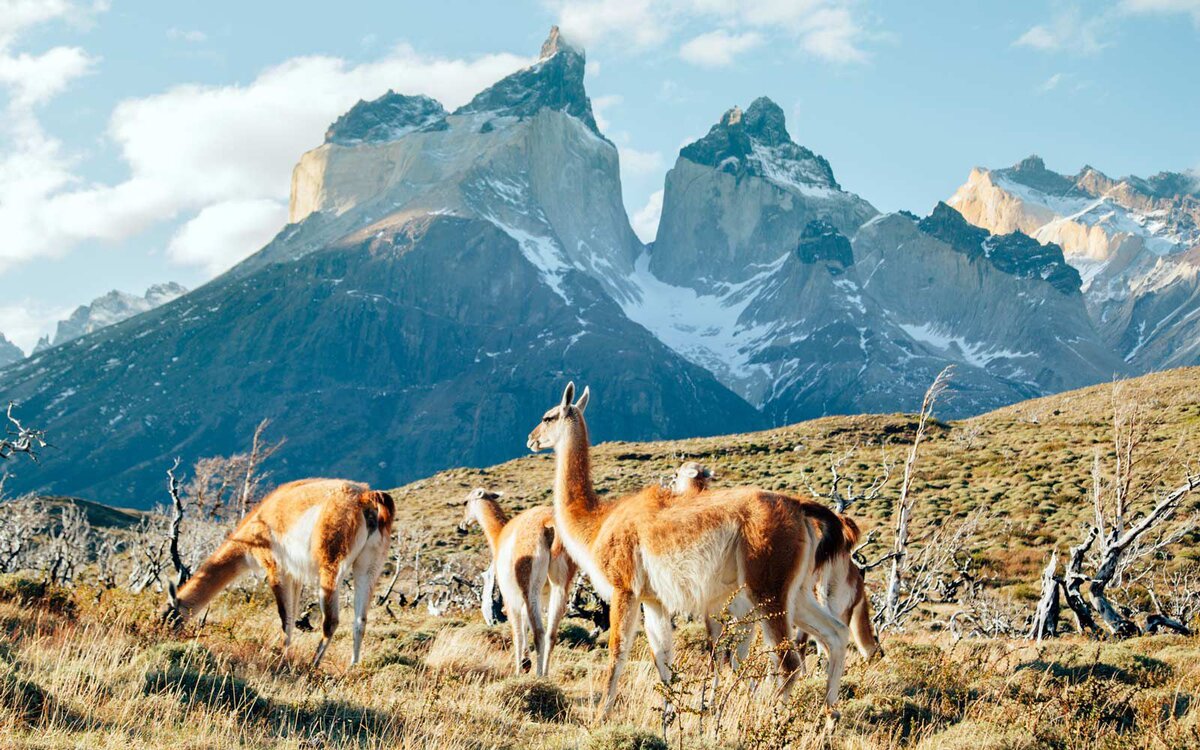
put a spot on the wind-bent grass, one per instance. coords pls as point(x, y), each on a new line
point(107, 676)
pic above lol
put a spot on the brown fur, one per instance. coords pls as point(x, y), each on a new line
point(347, 509)
point(772, 534)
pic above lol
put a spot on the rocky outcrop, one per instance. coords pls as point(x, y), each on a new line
point(385, 119)
point(9, 352)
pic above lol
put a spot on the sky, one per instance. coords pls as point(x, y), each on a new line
point(145, 141)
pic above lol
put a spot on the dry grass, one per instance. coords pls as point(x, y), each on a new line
point(106, 676)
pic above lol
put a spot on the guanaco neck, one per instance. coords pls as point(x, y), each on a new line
point(574, 495)
point(491, 518)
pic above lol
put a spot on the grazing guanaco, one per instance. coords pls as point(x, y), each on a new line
point(840, 584)
point(687, 554)
point(309, 531)
point(526, 554)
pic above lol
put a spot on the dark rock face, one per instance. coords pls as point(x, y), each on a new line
point(1016, 254)
point(1032, 171)
point(384, 119)
point(729, 145)
point(554, 82)
point(429, 347)
point(821, 241)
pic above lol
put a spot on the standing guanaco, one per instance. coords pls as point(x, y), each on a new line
point(687, 554)
point(308, 531)
point(526, 554)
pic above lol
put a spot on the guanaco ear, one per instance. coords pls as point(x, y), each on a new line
point(568, 396)
point(582, 403)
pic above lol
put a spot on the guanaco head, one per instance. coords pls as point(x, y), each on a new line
point(691, 477)
point(475, 498)
point(553, 427)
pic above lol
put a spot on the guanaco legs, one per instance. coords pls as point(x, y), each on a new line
point(687, 554)
point(313, 530)
point(525, 554)
point(840, 585)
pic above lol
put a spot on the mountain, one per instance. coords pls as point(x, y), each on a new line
point(439, 284)
point(1135, 242)
point(806, 301)
point(9, 352)
point(108, 309)
point(444, 272)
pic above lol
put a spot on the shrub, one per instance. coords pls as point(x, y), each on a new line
point(177, 655)
point(537, 698)
point(34, 592)
point(575, 635)
point(624, 738)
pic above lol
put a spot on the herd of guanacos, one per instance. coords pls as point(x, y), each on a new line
point(688, 549)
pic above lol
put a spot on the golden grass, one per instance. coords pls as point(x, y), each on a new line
point(108, 677)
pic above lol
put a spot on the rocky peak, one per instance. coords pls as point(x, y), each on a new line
point(385, 119)
point(555, 43)
point(821, 241)
point(110, 308)
point(756, 143)
point(1031, 171)
point(1016, 254)
point(9, 352)
point(554, 82)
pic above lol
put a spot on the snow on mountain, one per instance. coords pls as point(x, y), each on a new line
point(108, 310)
point(1129, 238)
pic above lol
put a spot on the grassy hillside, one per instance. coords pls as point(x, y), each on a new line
point(1027, 465)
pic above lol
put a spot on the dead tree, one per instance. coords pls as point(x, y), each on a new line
point(1045, 618)
point(252, 474)
point(69, 545)
point(20, 439)
point(148, 551)
point(894, 609)
point(21, 521)
point(1118, 538)
point(846, 489)
point(182, 572)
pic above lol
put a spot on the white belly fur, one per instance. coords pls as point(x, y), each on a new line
point(692, 580)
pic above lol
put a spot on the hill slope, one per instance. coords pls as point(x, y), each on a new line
point(1028, 465)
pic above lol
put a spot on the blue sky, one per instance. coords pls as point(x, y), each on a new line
point(151, 141)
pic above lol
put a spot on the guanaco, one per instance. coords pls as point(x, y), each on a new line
point(308, 531)
point(840, 584)
point(687, 554)
point(526, 553)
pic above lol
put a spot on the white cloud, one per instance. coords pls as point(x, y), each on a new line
point(1068, 31)
point(600, 107)
point(193, 146)
point(636, 163)
point(193, 36)
point(717, 49)
point(645, 221)
point(830, 30)
point(23, 322)
point(1190, 7)
point(224, 233)
point(1051, 83)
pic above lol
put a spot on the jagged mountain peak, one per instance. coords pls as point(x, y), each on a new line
point(555, 43)
point(555, 82)
point(385, 119)
point(755, 142)
point(1016, 253)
